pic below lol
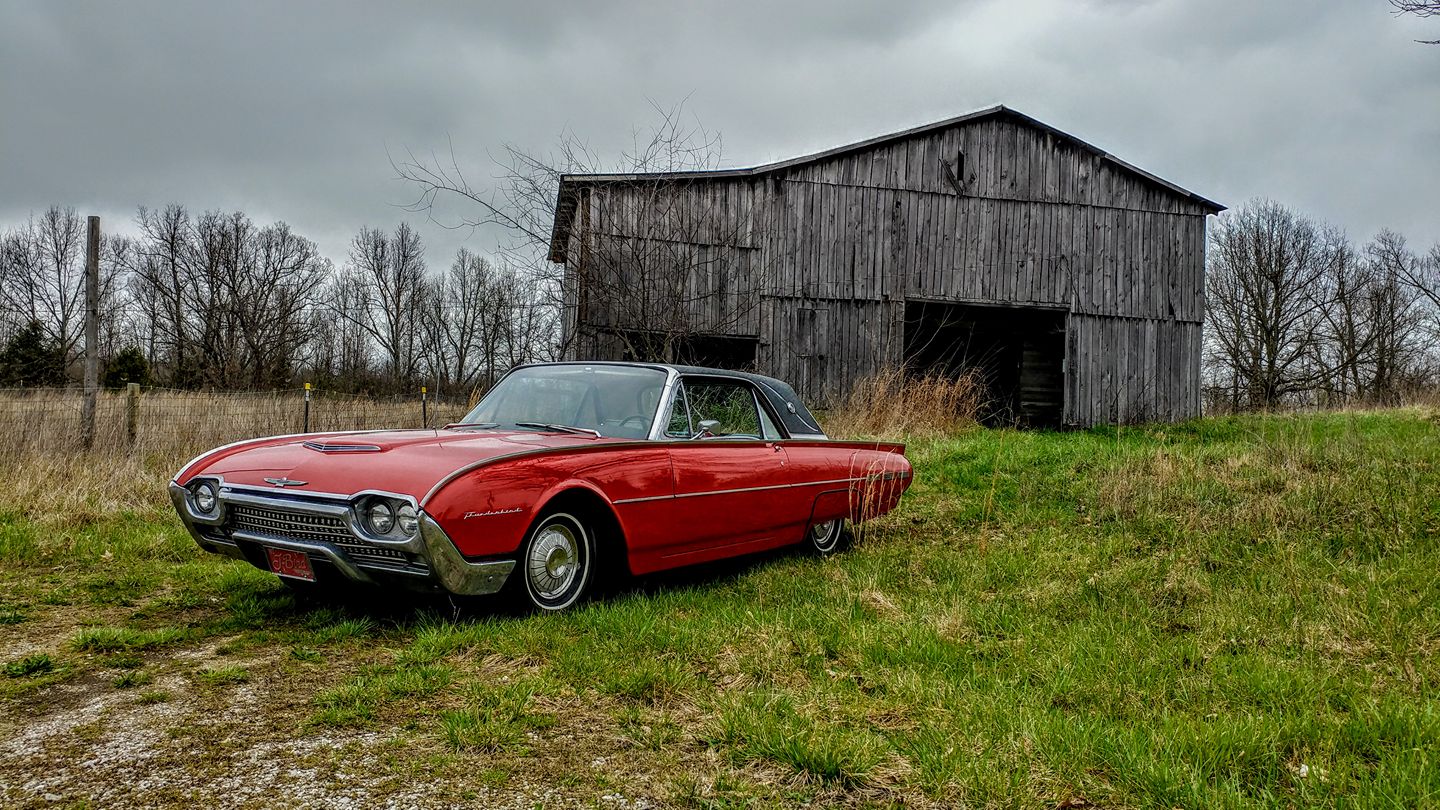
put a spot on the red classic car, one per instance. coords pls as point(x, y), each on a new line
point(562, 468)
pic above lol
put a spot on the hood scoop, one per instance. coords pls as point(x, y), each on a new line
point(337, 447)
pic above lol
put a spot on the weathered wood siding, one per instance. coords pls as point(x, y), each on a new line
point(1128, 370)
point(825, 346)
point(657, 254)
point(1038, 221)
point(817, 260)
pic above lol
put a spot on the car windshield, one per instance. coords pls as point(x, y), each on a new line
point(610, 400)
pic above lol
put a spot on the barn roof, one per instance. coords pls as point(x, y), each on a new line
point(565, 205)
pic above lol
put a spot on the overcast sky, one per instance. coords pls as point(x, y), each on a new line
point(286, 110)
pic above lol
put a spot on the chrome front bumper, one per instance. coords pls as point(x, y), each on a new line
point(428, 558)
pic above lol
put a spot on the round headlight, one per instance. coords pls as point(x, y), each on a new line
point(204, 498)
point(408, 519)
point(380, 517)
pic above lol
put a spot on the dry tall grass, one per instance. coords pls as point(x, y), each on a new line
point(45, 474)
point(895, 404)
point(170, 421)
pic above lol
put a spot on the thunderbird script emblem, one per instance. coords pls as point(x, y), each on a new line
point(285, 482)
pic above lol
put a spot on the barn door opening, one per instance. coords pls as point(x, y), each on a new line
point(717, 351)
point(1018, 353)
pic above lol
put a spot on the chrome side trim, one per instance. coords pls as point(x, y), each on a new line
point(322, 447)
point(662, 408)
point(738, 490)
point(457, 574)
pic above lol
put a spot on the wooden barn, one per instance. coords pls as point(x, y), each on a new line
point(1071, 280)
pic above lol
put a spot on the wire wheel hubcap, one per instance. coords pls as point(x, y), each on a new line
point(554, 561)
point(823, 535)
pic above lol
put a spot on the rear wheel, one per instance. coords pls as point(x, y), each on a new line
point(830, 537)
point(556, 562)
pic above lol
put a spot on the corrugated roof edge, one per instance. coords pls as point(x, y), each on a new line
point(565, 204)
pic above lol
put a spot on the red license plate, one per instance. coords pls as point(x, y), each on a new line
point(293, 564)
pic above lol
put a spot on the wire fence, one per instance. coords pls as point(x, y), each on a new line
point(170, 421)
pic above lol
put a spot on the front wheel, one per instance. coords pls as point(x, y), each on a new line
point(830, 537)
point(557, 562)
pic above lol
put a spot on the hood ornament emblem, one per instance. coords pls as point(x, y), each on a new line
point(285, 482)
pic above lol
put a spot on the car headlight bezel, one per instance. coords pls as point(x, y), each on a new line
point(203, 493)
point(407, 520)
point(380, 516)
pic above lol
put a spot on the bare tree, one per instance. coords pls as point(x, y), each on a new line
point(1423, 275)
point(391, 272)
point(42, 266)
point(654, 292)
point(342, 351)
point(1419, 8)
point(164, 281)
point(1346, 337)
point(47, 276)
point(1265, 302)
point(462, 321)
point(1395, 310)
point(273, 285)
point(19, 263)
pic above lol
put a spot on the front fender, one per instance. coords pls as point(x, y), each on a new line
point(488, 509)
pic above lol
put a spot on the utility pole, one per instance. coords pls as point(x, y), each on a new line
point(92, 332)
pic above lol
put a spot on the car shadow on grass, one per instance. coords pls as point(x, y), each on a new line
point(399, 609)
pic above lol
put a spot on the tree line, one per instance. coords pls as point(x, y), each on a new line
point(215, 300)
point(1298, 314)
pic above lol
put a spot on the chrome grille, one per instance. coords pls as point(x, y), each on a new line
point(300, 526)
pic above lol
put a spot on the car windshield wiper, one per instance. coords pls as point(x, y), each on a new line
point(471, 425)
point(561, 428)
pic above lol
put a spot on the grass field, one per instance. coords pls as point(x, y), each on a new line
point(1234, 612)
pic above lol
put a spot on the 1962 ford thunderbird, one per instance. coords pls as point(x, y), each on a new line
point(563, 469)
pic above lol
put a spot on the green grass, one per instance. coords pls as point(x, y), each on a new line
point(222, 676)
point(499, 718)
point(133, 678)
point(1237, 612)
point(37, 664)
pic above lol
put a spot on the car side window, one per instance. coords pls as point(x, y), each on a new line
point(679, 425)
point(772, 433)
point(731, 404)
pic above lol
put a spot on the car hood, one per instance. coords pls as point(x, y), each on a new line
point(408, 462)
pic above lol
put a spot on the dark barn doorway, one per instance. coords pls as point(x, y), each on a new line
point(717, 351)
point(1018, 353)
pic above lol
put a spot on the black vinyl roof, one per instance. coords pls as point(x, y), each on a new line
point(782, 398)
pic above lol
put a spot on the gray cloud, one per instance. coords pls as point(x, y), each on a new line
point(286, 110)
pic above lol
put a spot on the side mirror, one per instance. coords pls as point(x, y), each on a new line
point(707, 428)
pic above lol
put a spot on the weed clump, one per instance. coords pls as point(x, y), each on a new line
point(897, 403)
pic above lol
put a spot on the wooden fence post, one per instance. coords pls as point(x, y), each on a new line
point(132, 413)
point(92, 332)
